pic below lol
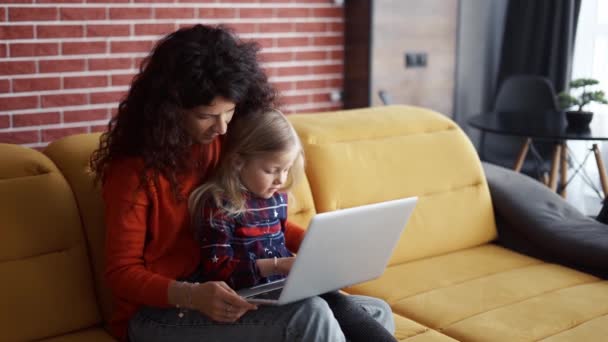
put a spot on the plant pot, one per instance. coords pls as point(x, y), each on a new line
point(578, 119)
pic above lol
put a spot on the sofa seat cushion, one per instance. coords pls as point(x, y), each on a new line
point(89, 335)
point(588, 331)
point(408, 330)
point(491, 293)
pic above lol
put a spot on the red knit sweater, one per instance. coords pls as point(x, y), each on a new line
point(149, 241)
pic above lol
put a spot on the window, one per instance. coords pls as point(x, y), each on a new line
point(591, 45)
point(590, 61)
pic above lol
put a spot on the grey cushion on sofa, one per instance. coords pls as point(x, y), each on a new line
point(534, 220)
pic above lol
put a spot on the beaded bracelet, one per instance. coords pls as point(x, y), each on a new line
point(179, 284)
point(188, 294)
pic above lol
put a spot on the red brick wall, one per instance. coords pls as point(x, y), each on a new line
point(65, 64)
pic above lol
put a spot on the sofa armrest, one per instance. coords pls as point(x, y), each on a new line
point(534, 220)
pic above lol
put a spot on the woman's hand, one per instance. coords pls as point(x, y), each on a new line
point(218, 301)
point(215, 299)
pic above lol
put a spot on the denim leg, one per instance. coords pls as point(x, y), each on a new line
point(314, 321)
point(378, 309)
point(307, 320)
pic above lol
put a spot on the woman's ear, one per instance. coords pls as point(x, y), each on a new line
point(238, 162)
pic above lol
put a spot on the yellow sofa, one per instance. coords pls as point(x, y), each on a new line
point(446, 281)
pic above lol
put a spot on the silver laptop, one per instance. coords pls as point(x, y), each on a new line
point(340, 248)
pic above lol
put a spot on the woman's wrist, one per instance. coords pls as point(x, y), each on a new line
point(180, 294)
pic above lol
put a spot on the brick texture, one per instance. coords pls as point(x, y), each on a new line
point(5, 121)
point(36, 119)
point(66, 64)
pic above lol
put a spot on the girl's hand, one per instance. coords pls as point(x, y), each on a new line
point(284, 264)
point(268, 267)
point(216, 300)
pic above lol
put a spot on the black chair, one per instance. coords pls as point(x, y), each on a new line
point(385, 97)
point(521, 93)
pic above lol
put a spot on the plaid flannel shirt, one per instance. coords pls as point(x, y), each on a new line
point(230, 245)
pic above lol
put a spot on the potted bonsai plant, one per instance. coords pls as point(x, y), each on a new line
point(577, 117)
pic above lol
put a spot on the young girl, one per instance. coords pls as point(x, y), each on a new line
point(239, 215)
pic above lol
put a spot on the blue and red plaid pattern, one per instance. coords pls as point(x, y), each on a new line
point(230, 245)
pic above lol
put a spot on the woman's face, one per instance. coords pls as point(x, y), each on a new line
point(205, 123)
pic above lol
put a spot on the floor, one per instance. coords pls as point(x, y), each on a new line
point(584, 190)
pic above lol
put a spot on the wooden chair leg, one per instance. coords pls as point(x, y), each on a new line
point(601, 170)
point(521, 157)
point(564, 169)
point(554, 166)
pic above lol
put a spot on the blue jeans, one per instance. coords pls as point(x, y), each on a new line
point(307, 320)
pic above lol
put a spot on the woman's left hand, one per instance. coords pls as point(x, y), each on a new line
point(219, 302)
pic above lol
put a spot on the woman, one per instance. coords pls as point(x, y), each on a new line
point(164, 142)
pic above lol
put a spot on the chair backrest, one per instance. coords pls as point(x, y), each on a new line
point(525, 93)
point(519, 93)
point(385, 97)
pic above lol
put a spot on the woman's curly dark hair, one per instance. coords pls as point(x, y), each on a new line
point(186, 69)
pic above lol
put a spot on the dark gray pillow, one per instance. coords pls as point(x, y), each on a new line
point(546, 225)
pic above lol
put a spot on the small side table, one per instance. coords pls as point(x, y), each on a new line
point(548, 126)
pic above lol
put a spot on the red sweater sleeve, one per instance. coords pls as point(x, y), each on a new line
point(126, 214)
point(294, 234)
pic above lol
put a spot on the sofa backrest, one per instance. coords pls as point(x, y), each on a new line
point(47, 286)
point(72, 154)
point(362, 156)
point(352, 158)
point(301, 205)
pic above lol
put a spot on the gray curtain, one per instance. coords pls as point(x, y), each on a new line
point(480, 30)
point(538, 39)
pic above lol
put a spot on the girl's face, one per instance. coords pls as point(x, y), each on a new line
point(205, 123)
point(265, 175)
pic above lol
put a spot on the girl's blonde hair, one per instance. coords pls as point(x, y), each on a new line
point(250, 136)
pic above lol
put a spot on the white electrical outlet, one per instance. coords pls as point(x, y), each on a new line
point(335, 96)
